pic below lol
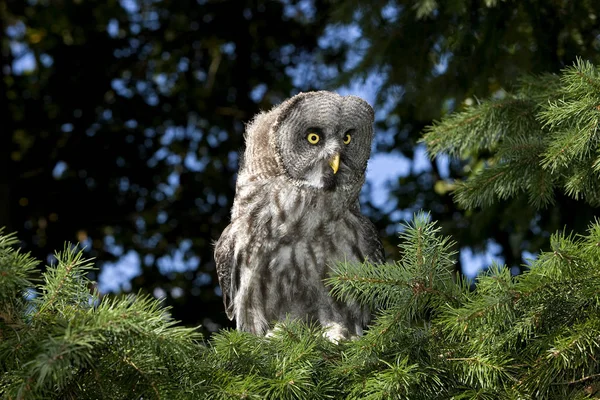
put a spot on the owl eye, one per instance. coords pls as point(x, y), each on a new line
point(313, 138)
point(347, 138)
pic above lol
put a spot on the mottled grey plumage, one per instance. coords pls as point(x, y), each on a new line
point(293, 217)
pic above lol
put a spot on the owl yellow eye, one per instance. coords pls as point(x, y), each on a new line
point(313, 138)
point(347, 138)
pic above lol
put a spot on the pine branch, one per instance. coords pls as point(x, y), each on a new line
point(424, 271)
point(480, 127)
point(16, 269)
point(399, 380)
point(71, 332)
point(62, 283)
point(535, 335)
point(542, 137)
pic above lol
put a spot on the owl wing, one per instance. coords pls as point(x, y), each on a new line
point(226, 269)
point(376, 254)
point(374, 251)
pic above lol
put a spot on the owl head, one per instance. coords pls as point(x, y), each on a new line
point(318, 139)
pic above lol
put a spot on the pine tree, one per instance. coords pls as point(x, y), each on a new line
point(530, 336)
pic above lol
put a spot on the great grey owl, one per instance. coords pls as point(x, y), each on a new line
point(296, 213)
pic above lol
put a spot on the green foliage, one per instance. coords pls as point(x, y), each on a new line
point(69, 343)
point(542, 137)
point(531, 336)
point(426, 269)
point(16, 272)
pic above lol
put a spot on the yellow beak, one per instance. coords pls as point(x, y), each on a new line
point(334, 163)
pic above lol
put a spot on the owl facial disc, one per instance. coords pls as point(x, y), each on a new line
point(323, 141)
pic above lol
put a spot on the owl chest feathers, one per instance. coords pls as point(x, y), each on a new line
point(292, 237)
point(293, 223)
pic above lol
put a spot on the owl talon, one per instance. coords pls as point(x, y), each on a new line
point(335, 333)
point(276, 331)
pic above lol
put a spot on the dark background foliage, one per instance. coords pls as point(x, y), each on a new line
point(121, 121)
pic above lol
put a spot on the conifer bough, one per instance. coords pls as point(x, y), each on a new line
point(527, 337)
point(545, 136)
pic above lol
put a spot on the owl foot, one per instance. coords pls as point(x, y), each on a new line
point(335, 333)
point(276, 331)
